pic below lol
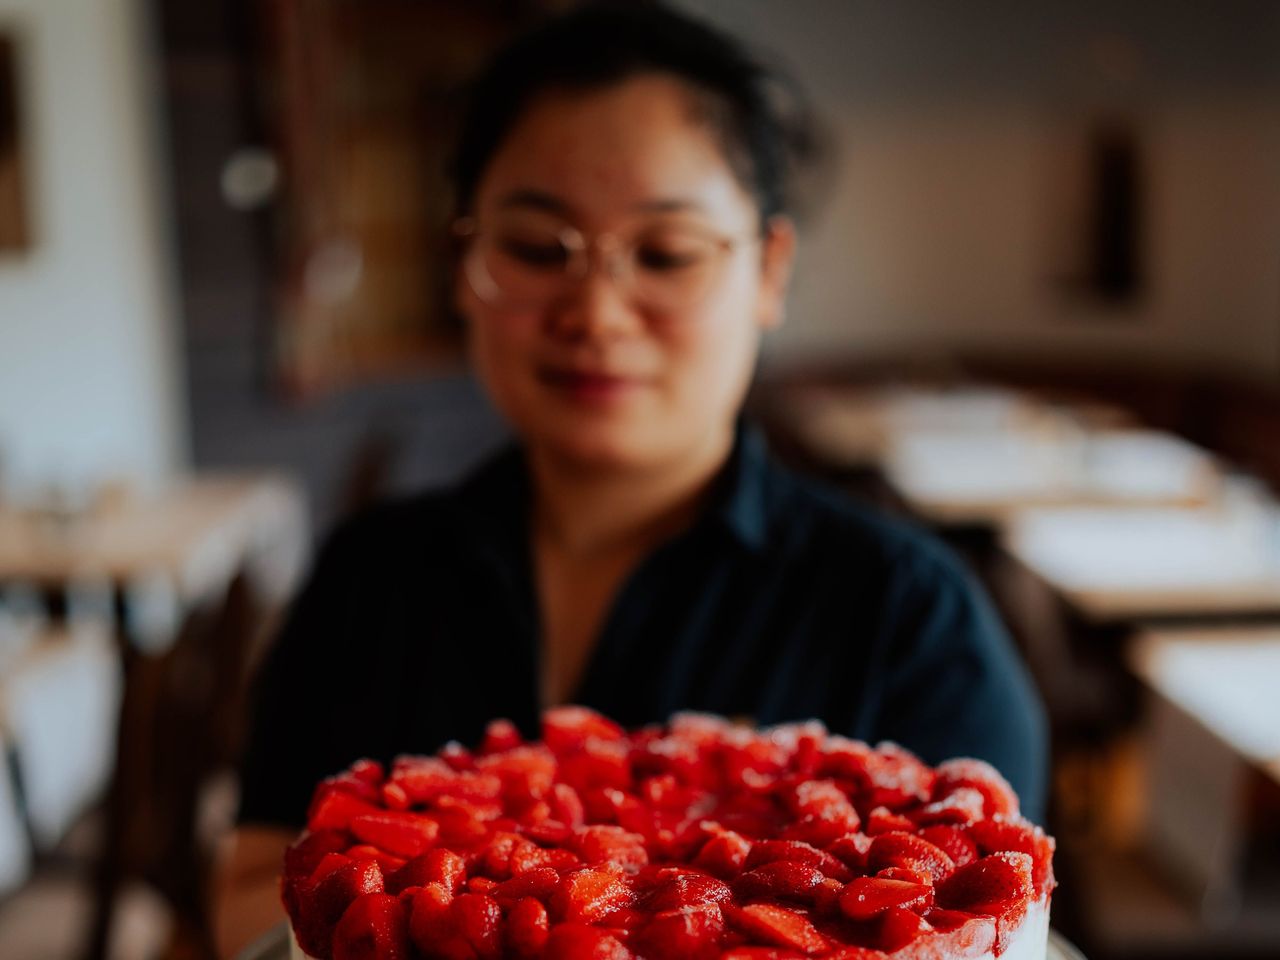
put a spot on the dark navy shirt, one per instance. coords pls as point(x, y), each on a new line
point(783, 601)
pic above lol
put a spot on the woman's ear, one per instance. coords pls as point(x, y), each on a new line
point(777, 257)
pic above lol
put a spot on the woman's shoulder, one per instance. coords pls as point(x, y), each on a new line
point(488, 497)
point(815, 515)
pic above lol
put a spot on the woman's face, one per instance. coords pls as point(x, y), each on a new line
point(603, 373)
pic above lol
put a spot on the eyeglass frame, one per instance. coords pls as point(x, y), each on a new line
point(587, 249)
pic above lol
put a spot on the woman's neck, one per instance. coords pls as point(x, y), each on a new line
point(587, 513)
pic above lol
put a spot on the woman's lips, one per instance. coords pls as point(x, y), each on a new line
point(589, 385)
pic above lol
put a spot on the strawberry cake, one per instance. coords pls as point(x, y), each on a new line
point(698, 840)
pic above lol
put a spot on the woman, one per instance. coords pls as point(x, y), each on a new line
point(624, 244)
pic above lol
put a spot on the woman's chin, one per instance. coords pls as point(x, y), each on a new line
point(604, 446)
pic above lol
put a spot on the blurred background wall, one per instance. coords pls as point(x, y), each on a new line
point(951, 219)
point(90, 380)
point(960, 133)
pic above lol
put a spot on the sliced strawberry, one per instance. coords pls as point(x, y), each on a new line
point(597, 764)
point(883, 820)
point(370, 771)
point(435, 866)
point(664, 792)
point(815, 798)
point(524, 772)
point(527, 855)
point(548, 833)
point(777, 926)
point(954, 841)
point(749, 760)
point(302, 857)
point(699, 729)
point(825, 898)
point(961, 805)
point(851, 850)
point(780, 880)
point(334, 809)
point(687, 889)
point(322, 903)
point(500, 735)
point(401, 833)
point(906, 873)
point(367, 851)
point(577, 941)
point(460, 828)
point(327, 865)
point(590, 896)
point(845, 759)
point(495, 861)
point(433, 928)
point(540, 883)
point(565, 729)
point(999, 797)
point(724, 855)
point(566, 805)
point(483, 885)
point(395, 796)
point(374, 927)
point(994, 836)
point(527, 928)
point(998, 885)
point(898, 777)
point(907, 850)
point(687, 933)
point(822, 829)
point(599, 845)
point(900, 926)
point(457, 756)
point(422, 779)
point(335, 892)
point(768, 851)
point(868, 897)
point(478, 919)
point(625, 920)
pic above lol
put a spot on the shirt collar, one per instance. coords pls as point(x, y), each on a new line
point(498, 493)
point(739, 503)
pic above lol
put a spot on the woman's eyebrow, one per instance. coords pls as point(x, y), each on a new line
point(541, 200)
point(537, 199)
point(670, 205)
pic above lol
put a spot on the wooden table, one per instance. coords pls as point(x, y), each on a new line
point(1115, 564)
point(985, 478)
point(854, 427)
point(977, 455)
point(1213, 728)
point(183, 571)
point(183, 545)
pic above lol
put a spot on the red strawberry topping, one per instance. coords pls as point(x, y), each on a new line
point(700, 840)
point(868, 897)
point(374, 927)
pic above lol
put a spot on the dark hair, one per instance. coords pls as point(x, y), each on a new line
point(756, 114)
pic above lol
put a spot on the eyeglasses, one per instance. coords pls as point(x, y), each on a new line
point(532, 260)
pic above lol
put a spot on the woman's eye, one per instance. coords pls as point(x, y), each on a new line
point(669, 257)
point(542, 253)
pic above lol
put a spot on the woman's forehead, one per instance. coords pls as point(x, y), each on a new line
point(632, 148)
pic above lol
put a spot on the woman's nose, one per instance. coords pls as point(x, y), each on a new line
point(595, 306)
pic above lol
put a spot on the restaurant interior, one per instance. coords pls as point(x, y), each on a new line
point(1036, 310)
